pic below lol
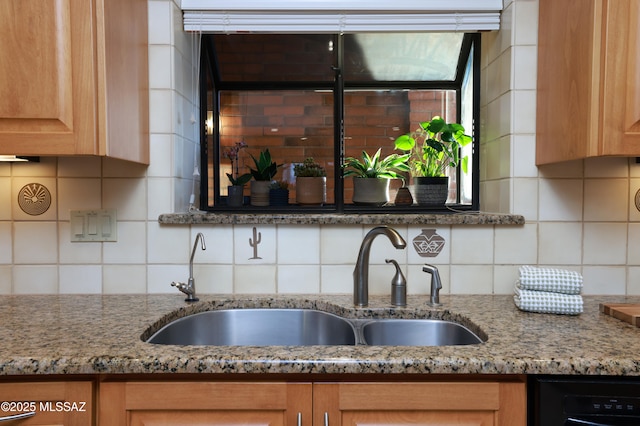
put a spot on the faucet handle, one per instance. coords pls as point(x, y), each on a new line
point(186, 289)
point(436, 284)
point(178, 285)
point(398, 286)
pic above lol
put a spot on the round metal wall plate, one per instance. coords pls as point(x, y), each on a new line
point(34, 199)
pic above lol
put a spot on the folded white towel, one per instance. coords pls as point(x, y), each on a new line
point(549, 279)
point(548, 302)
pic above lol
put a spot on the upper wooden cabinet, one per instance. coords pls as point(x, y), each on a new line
point(588, 79)
point(74, 78)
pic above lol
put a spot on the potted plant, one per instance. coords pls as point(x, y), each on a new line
point(372, 175)
point(311, 182)
point(264, 171)
point(432, 149)
point(235, 191)
point(278, 193)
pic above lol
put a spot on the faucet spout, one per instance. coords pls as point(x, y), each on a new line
point(190, 287)
point(361, 271)
point(199, 237)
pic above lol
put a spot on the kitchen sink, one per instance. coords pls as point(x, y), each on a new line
point(417, 332)
point(305, 327)
point(257, 327)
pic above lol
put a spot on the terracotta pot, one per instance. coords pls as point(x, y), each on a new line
point(431, 191)
point(403, 197)
point(370, 191)
point(311, 190)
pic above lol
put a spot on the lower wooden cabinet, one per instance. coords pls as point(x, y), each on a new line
point(318, 404)
point(425, 404)
point(204, 403)
point(47, 403)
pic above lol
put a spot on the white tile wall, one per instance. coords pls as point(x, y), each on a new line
point(580, 215)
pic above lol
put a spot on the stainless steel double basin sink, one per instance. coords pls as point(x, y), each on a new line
point(304, 327)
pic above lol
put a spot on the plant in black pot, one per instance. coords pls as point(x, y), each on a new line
point(264, 171)
point(372, 174)
point(278, 193)
point(433, 148)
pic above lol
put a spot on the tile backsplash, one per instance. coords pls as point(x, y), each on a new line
point(580, 215)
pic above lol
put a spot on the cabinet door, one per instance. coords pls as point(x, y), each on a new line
point(443, 404)
point(47, 83)
point(588, 91)
point(621, 79)
point(205, 403)
point(74, 78)
point(54, 403)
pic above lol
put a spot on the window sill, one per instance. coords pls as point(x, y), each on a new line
point(466, 218)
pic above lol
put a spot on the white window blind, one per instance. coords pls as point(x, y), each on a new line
point(343, 16)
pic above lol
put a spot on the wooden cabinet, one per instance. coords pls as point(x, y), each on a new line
point(588, 91)
point(74, 78)
point(54, 403)
point(437, 403)
point(204, 403)
point(321, 404)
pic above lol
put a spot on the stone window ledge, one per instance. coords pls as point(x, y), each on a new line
point(466, 218)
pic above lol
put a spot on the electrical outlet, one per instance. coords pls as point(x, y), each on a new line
point(93, 225)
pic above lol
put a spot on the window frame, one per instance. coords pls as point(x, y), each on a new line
point(471, 46)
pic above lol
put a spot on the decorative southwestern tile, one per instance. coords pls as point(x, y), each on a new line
point(428, 243)
point(34, 198)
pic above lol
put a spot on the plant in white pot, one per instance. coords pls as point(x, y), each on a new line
point(372, 174)
point(432, 149)
point(311, 182)
point(264, 172)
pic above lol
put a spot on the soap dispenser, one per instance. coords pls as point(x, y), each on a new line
point(398, 286)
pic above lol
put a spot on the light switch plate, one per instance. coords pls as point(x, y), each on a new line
point(93, 225)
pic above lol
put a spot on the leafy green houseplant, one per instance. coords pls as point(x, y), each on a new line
point(372, 175)
point(374, 166)
point(311, 182)
point(264, 171)
point(433, 148)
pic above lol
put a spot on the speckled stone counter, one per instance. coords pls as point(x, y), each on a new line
point(469, 218)
point(84, 334)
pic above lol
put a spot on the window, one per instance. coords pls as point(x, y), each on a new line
point(331, 96)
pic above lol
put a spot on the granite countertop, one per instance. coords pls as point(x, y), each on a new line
point(94, 334)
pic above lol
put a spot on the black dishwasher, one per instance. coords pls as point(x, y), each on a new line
point(583, 401)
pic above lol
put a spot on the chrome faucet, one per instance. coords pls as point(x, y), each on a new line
point(361, 271)
point(436, 284)
point(190, 287)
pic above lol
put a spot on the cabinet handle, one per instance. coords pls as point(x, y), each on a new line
point(299, 419)
point(326, 418)
point(18, 416)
